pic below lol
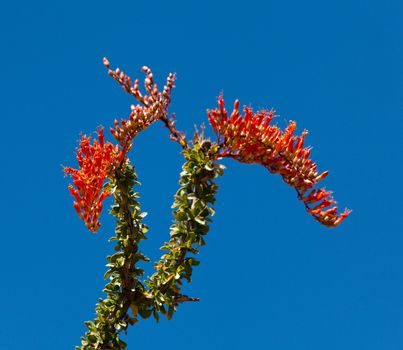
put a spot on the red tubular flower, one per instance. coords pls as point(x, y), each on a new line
point(95, 162)
point(251, 139)
point(153, 105)
point(140, 118)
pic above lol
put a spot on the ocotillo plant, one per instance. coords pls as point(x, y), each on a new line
point(104, 169)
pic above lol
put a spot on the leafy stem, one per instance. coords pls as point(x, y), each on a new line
point(112, 315)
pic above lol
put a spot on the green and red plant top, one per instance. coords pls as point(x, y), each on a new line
point(104, 169)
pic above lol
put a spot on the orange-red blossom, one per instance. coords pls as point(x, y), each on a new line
point(251, 139)
point(96, 161)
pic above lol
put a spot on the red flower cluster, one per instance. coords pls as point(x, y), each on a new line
point(95, 162)
point(153, 105)
point(251, 139)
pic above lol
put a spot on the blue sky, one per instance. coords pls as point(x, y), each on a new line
point(271, 277)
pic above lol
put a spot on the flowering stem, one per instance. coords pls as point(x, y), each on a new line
point(249, 139)
point(160, 294)
point(112, 312)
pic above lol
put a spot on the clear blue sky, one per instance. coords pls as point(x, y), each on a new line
point(271, 277)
